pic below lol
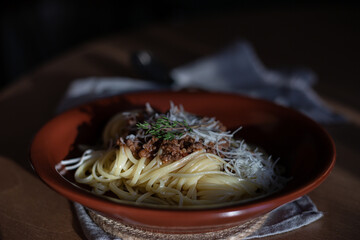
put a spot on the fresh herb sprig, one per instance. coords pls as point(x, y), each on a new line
point(165, 128)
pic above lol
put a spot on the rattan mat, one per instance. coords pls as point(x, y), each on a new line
point(127, 232)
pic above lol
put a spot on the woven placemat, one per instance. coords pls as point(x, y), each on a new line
point(127, 232)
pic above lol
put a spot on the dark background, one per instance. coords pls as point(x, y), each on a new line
point(33, 32)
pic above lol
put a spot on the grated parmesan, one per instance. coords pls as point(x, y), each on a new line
point(241, 160)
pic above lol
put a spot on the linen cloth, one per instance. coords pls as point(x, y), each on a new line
point(236, 69)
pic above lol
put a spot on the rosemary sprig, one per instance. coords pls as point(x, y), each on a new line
point(164, 128)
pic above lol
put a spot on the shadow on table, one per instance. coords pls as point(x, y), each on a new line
point(346, 138)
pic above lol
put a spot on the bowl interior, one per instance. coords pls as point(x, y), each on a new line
point(304, 148)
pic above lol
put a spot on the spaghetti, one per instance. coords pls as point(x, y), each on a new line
point(175, 159)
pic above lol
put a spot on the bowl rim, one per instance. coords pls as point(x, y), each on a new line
point(62, 186)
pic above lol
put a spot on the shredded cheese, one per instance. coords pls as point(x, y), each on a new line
point(242, 160)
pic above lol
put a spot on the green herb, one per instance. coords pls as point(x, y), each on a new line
point(164, 128)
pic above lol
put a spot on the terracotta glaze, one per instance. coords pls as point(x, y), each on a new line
point(303, 146)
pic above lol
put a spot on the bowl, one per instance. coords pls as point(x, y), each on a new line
point(305, 150)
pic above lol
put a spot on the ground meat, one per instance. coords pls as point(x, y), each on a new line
point(176, 149)
point(172, 150)
point(134, 146)
point(150, 148)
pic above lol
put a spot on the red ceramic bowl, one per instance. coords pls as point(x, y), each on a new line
point(304, 148)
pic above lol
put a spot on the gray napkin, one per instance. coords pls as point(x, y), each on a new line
point(237, 69)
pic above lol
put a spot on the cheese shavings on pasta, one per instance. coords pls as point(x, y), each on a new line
point(177, 159)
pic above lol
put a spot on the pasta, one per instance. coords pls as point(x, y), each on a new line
point(175, 159)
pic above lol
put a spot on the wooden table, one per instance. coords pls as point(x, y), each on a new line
point(325, 40)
